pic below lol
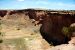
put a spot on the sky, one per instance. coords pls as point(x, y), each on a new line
point(44, 4)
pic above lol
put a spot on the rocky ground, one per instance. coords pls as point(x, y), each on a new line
point(20, 34)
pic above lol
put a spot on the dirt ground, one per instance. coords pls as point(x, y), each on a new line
point(21, 34)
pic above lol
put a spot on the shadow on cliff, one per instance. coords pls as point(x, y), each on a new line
point(52, 25)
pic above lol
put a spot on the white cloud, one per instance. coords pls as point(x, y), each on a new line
point(42, 2)
point(20, 0)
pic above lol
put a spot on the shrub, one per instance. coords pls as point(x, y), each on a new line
point(65, 31)
point(1, 41)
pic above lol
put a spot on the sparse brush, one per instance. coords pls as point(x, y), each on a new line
point(1, 37)
point(0, 26)
point(0, 33)
point(1, 41)
point(51, 44)
point(72, 29)
point(0, 23)
point(67, 31)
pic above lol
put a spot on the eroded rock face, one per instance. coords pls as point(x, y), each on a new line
point(52, 23)
point(3, 13)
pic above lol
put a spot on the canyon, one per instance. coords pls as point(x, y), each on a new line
point(48, 23)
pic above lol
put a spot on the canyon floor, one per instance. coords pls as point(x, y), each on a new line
point(20, 34)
